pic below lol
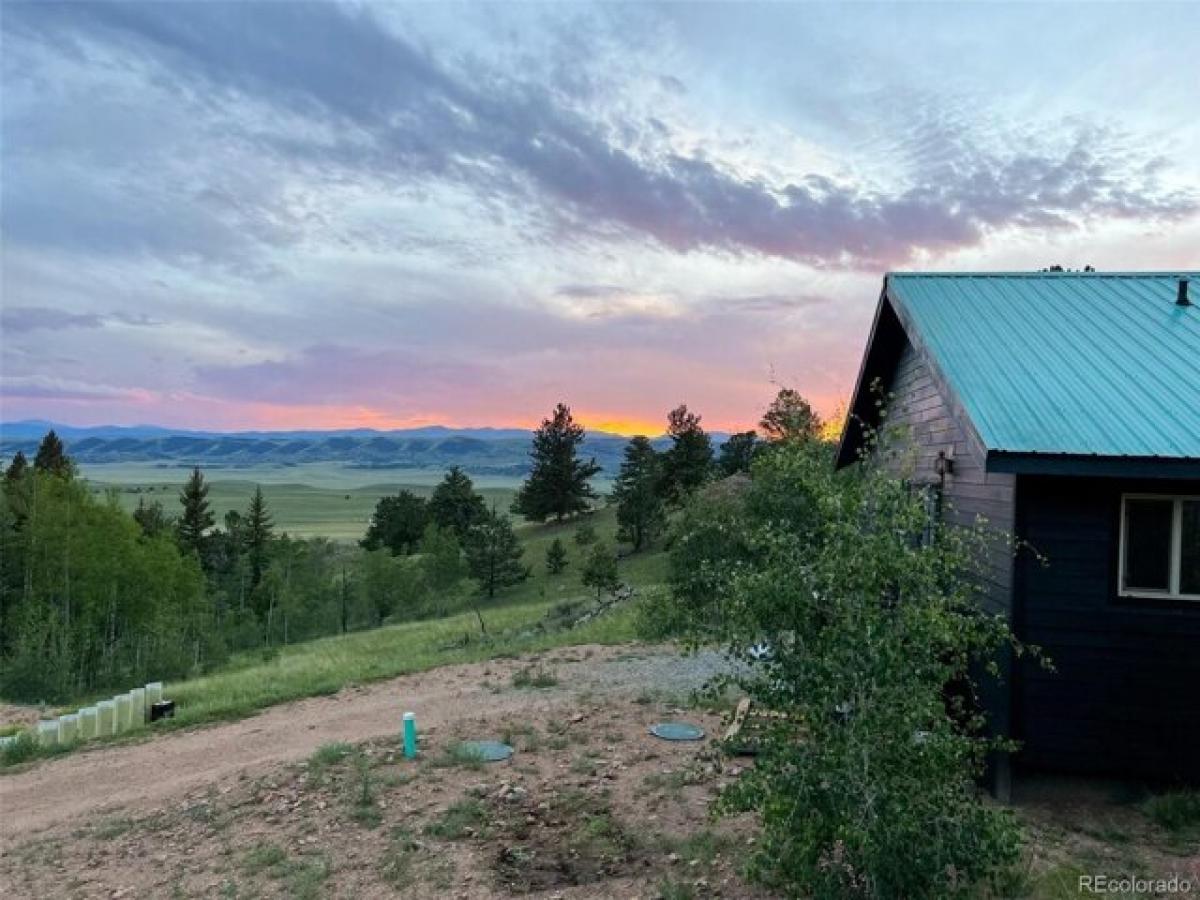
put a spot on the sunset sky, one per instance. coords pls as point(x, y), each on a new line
point(307, 216)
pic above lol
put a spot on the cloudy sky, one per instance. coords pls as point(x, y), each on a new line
point(315, 215)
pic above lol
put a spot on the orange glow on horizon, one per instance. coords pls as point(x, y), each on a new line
point(627, 426)
point(218, 414)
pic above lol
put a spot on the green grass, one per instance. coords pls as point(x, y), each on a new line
point(458, 755)
point(396, 865)
point(365, 809)
point(113, 828)
point(311, 500)
point(326, 757)
point(701, 848)
point(305, 501)
point(1174, 810)
point(324, 666)
point(534, 677)
point(263, 857)
point(463, 819)
point(302, 877)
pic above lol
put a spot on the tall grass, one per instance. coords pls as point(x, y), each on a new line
point(325, 666)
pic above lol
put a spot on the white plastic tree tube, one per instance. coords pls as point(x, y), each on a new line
point(87, 722)
point(106, 718)
point(47, 732)
point(122, 704)
point(135, 720)
point(140, 714)
point(68, 728)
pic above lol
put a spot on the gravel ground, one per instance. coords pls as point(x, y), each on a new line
point(658, 673)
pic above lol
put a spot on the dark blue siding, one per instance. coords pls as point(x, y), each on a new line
point(1125, 696)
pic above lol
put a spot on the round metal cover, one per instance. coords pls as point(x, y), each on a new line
point(488, 751)
point(677, 731)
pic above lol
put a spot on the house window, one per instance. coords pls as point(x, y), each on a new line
point(1160, 546)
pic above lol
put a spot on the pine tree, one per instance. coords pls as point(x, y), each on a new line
point(556, 557)
point(18, 490)
point(738, 453)
point(641, 514)
point(455, 505)
point(257, 532)
point(558, 482)
point(397, 523)
point(16, 469)
point(600, 570)
point(494, 555)
point(52, 458)
point(790, 418)
point(197, 515)
point(688, 461)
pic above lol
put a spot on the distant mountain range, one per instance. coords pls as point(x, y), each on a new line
point(498, 451)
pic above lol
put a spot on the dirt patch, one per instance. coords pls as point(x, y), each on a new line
point(12, 715)
point(589, 806)
point(152, 772)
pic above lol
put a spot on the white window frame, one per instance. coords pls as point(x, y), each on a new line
point(1175, 564)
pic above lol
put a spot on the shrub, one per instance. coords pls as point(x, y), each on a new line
point(600, 570)
point(866, 787)
point(22, 748)
point(531, 677)
point(463, 819)
point(556, 557)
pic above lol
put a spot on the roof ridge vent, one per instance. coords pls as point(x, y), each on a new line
point(1181, 299)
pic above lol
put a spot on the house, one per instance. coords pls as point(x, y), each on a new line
point(1064, 408)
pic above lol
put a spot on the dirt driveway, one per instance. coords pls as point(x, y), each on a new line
point(315, 799)
point(153, 772)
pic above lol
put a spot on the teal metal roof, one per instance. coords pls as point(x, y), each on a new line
point(1096, 364)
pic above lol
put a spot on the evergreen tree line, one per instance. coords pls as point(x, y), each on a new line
point(650, 482)
point(92, 597)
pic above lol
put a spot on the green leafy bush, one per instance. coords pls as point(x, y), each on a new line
point(851, 624)
point(22, 748)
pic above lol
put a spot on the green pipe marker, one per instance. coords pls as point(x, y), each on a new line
point(410, 735)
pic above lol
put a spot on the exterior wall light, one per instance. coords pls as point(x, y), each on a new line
point(943, 465)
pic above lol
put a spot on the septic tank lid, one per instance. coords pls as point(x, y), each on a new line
point(488, 751)
point(677, 731)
